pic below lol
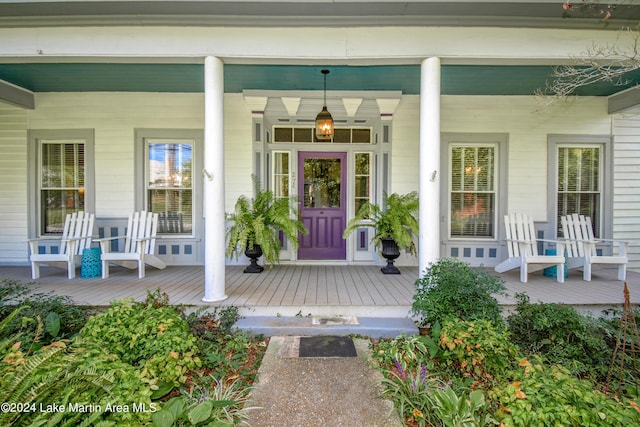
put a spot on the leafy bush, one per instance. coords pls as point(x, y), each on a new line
point(410, 392)
point(475, 351)
point(542, 395)
point(410, 352)
point(560, 335)
point(212, 403)
point(154, 338)
point(421, 396)
point(43, 318)
point(70, 385)
point(220, 319)
point(467, 410)
point(452, 289)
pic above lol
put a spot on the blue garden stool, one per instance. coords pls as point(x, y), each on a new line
point(91, 264)
point(551, 271)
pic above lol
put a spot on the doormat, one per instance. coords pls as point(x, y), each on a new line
point(327, 346)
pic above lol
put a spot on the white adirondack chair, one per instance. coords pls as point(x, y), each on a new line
point(522, 247)
point(76, 236)
point(139, 245)
point(582, 247)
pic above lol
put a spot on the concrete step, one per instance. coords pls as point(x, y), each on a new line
point(309, 310)
point(374, 327)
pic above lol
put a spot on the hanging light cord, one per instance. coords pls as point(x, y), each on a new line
point(325, 72)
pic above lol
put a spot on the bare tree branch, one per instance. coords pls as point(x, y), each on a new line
point(600, 63)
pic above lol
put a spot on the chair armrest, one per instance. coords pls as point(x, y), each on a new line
point(551, 241)
point(520, 241)
point(612, 241)
point(69, 239)
point(41, 239)
point(33, 242)
point(104, 242)
point(104, 239)
point(560, 244)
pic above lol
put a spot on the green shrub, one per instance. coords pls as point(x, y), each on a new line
point(411, 352)
point(452, 289)
point(154, 338)
point(542, 395)
point(220, 319)
point(44, 317)
point(70, 385)
point(475, 351)
point(212, 403)
point(560, 335)
point(412, 380)
point(411, 393)
point(467, 410)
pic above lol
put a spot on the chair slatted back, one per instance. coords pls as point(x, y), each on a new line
point(519, 226)
point(576, 228)
point(77, 225)
point(141, 225)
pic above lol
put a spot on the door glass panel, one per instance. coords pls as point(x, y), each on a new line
point(322, 183)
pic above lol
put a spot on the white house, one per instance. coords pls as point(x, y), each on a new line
point(171, 106)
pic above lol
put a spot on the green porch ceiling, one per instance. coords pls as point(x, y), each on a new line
point(456, 79)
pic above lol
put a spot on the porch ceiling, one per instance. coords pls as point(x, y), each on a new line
point(127, 77)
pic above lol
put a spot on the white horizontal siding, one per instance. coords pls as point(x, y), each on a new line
point(13, 190)
point(238, 155)
point(523, 118)
point(626, 191)
point(114, 116)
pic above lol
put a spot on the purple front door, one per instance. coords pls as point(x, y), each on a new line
point(322, 196)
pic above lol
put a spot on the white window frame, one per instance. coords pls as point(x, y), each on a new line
point(272, 178)
point(496, 163)
point(604, 224)
point(355, 197)
point(36, 139)
point(196, 137)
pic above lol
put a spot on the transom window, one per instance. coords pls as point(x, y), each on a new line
point(473, 190)
point(579, 182)
point(287, 134)
point(169, 183)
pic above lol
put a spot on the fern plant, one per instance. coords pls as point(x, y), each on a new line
point(397, 220)
point(256, 221)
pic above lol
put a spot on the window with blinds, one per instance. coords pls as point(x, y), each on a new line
point(579, 183)
point(62, 182)
point(473, 191)
point(169, 185)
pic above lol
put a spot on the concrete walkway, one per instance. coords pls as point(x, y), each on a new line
point(318, 392)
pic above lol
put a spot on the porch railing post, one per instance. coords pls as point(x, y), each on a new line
point(429, 236)
point(213, 178)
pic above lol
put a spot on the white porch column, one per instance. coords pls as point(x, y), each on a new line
point(429, 236)
point(213, 177)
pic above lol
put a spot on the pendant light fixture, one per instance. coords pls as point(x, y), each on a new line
point(324, 121)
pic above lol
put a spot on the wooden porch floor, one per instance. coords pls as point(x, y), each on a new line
point(290, 290)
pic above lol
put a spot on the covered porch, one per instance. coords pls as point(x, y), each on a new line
point(318, 290)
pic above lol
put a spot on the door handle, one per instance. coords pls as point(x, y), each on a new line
point(321, 212)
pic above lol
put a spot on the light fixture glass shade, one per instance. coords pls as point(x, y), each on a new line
point(324, 125)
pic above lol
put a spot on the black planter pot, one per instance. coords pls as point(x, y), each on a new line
point(253, 254)
point(390, 251)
